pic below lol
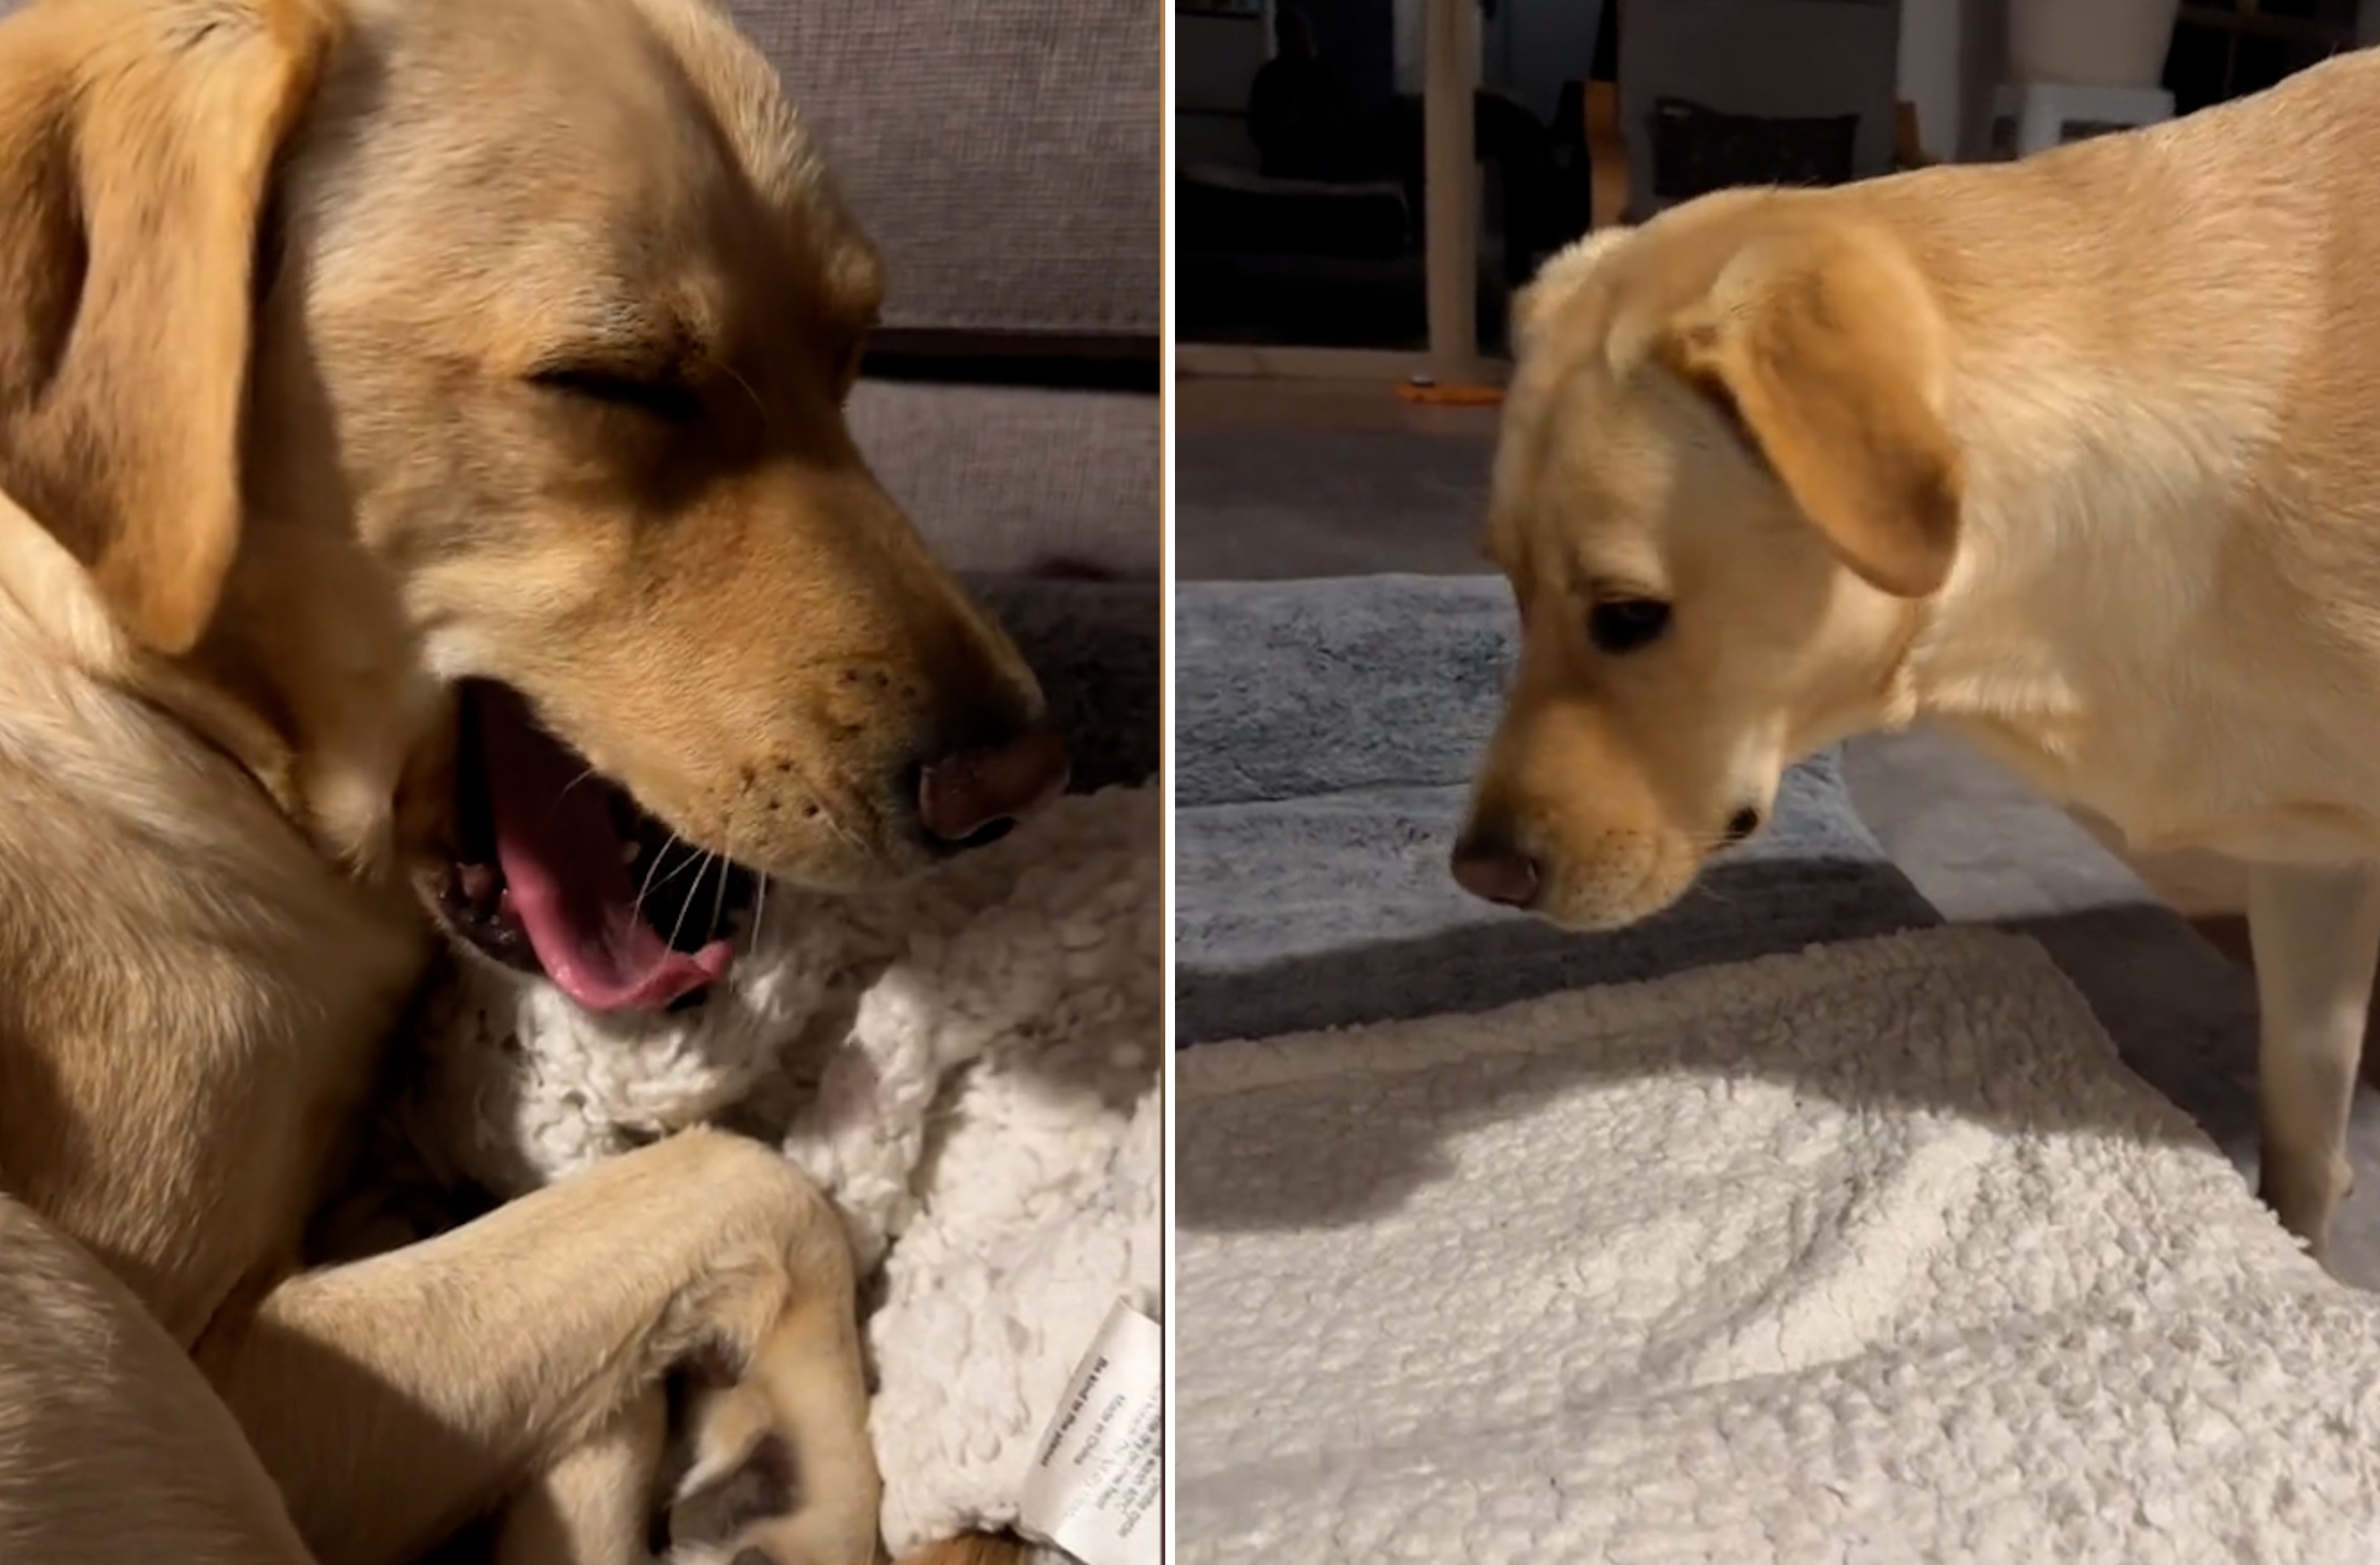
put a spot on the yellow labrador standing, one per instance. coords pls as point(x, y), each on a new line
point(2079, 456)
point(421, 471)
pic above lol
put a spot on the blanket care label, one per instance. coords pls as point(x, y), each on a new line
point(1099, 1476)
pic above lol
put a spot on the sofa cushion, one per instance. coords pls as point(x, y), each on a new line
point(1005, 154)
point(1698, 149)
point(1010, 479)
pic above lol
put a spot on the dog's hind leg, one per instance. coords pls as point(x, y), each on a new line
point(594, 1503)
point(2315, 934)
point(112, 1447)
point(396, 1398)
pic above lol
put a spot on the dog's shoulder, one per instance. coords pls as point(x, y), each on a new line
point(146, 870)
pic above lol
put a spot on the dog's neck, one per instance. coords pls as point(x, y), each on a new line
point(2109, 434)
point(346, 727)
point(52, 611)
point(2093, 556)
point(309, 679)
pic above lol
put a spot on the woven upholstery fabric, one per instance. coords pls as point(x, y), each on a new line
point(1009, 480)
point(1004, 154)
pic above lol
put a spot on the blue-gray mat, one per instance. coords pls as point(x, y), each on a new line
point(1325, 733)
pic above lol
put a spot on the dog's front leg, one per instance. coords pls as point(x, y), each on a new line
point(2315, 933)
point(593, 1504)
point(396, 1398)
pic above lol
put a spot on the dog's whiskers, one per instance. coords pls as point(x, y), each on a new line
point(747, 385)
point(759, 910)
point(719, 891)
point(686, 906)
point(692, 858)
point(1703, 890)
point(646, 889)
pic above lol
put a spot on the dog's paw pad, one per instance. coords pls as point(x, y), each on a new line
point(714, 1510)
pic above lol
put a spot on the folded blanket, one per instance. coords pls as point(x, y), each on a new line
point(1872, 1252)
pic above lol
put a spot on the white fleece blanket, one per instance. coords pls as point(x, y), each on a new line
point(971, 1065)
point(1872, 1254)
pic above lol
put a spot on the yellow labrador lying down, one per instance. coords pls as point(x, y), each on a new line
point(420, 435)
point(2080, 456)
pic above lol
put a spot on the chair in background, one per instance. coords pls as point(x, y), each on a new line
point(1715, 93)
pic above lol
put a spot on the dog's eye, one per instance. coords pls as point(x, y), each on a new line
point(655, 396)
point(1622, 624)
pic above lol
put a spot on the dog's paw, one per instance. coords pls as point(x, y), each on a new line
point(711, 1510)
point(752, 1510)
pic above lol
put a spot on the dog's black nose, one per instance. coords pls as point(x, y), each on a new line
point(973, 794)
point(1496, 871)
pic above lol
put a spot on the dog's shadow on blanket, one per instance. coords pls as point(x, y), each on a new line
point(2187, 1027)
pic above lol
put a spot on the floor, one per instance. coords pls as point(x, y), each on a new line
point(1202, 405)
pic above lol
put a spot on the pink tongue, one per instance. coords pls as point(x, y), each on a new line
point(561, 859)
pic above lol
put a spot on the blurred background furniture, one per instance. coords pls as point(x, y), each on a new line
point(2223, 49)
point(1005, 157)
point(2033, 116)
point(1721, 92)
point(2109, 43)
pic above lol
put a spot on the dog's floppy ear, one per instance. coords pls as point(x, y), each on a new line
point(1827, 353)
point(137, 142)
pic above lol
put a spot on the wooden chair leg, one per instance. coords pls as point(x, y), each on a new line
point(1607, 156)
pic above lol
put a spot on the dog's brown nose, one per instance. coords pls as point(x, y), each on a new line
point(975, 794)
point(1496, 872)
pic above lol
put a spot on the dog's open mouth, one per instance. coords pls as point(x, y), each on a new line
point(557, 871)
